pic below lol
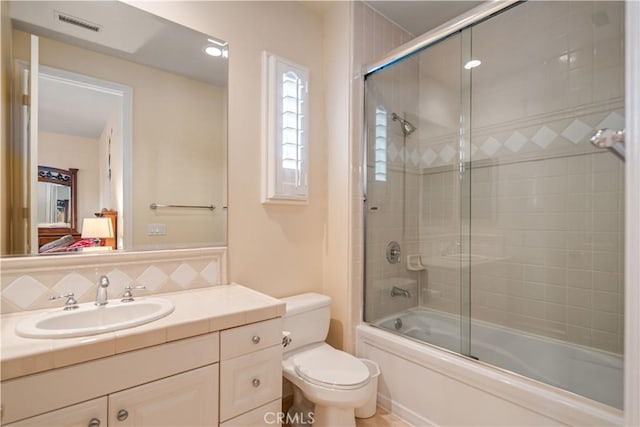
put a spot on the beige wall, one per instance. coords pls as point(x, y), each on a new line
point(170, 160)
point(274, 249)
point(337, 62)
point(69, 151)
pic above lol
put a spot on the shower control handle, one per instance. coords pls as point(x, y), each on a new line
point(393, 252)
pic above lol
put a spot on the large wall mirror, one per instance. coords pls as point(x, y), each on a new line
point(136, 104)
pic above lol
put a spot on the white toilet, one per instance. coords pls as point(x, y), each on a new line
point(335, 381)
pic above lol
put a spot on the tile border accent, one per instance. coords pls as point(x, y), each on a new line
point(102, 260)
point(208, 267)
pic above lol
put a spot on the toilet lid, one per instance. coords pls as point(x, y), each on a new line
point(331, 367)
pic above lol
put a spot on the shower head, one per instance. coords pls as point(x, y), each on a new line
point(407, 127)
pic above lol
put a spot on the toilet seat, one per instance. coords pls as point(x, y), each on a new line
point(331, 368)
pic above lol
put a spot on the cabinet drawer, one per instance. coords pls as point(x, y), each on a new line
point(245, 339)
point(264, 416)
point(249, 381)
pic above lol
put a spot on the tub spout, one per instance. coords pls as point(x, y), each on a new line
point(396, 292)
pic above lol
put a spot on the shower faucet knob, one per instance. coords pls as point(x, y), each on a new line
point(393, 252)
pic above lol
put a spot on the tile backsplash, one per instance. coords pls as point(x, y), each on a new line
point(27, 283)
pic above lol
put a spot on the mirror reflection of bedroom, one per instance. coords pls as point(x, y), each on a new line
point(77, 150)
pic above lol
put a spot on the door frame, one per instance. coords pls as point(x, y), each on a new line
point(632, 215)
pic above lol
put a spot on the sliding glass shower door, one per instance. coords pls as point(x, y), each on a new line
point(414, 195)
point(494, 227)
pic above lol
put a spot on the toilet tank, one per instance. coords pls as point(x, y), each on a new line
point(307, 319)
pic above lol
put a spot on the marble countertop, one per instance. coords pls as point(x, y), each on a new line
point(197, 311)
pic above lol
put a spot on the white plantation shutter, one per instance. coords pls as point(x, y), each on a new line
point(286, 131)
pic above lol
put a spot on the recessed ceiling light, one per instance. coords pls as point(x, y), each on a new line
point(472, 64)
point(213, 51)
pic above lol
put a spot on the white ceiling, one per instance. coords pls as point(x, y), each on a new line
point(418, 17)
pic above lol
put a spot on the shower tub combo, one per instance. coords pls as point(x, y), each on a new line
point(422, 383)
point(494, 228)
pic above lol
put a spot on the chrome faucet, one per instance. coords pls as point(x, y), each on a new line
point(101, 294)
point(396, 292)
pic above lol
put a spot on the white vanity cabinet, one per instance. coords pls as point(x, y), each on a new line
point(187, 399)
point(226, 378)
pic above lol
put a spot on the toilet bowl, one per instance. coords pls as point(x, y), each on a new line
point(334, 381)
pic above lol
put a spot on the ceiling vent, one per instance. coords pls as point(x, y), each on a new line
point(68, 19)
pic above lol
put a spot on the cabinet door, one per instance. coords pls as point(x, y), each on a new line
point(250, 381)
point(92, 413)
point(187, 399)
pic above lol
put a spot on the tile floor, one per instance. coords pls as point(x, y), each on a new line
point(382, 418)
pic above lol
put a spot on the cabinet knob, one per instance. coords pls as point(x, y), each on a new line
point(255, 382)
point(255, 339)
point(122, 415)
point(94, 422)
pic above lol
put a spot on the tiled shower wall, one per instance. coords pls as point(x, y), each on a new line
point(551, 241)
point(28, 282)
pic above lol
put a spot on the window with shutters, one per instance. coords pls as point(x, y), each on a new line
point(285, 146)
point(380, 156)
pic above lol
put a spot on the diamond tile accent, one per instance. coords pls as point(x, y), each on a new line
point(75, 283)
point(118, 281)
point(210, 273)
point(24, 291)
point(184, 275)
point(515, 141)
point(613, 121)
point(153, 278)
point(543, 137)
point(447, 153)
point(577, 131)
point(429, 156)
point(490, 146)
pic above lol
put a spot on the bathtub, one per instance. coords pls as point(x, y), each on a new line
point(427, 385)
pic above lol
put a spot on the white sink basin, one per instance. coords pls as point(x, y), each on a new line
point(89, 319)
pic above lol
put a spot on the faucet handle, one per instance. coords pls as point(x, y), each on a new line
point(70, 304)
point(128, 294)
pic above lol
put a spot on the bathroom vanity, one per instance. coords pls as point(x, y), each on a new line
point(216, 360)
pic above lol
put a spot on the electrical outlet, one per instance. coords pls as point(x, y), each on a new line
point(156, 229)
